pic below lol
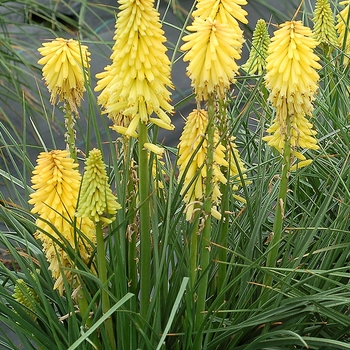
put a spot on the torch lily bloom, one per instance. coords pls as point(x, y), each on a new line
point(212, 51)
point(324, 30)
point(96, 197)
point(257, 57)
point(56, 182)
point(343, 30)
point(135, 85)
point(65, 70)
point(292, 80)
point(192, 153)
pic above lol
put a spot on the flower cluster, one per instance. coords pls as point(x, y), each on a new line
point(324, 30)
point(96, 197)
point(56, 182)
point(343, 30)
point(136, 84)
point(213, 46)
point(65, 70)
point(192, 154)
point(292, 80)
point(260, 43)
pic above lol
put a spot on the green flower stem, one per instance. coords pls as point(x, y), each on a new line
point(194, 252)
point(69, 120)
point(280, 209)
point(205, 241)
point(102, 274)
point(145, 237)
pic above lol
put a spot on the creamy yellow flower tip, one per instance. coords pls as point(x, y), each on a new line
point(324, 29)
point(154, 148)
point(213, 49)
point(300, 164)
point(192, 150)
point(96, 198)
point(56, 182)
point(65, 68)
point(258, 53)
point(137, 82)
point(292, 80)
point(224, 11)
point(343, 29)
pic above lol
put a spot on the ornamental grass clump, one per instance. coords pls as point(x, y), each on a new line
point(56, 182)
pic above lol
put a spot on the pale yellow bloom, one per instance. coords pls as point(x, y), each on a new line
point(258, 53)
point(292, 80)
point(343, 29)
point(212, 51)
point(135, 85)
point(65, 70)
point(324, 29)
point(192, 154)
point(56, 182)
point(96, 197)
point(154, 148)
point(224, 11)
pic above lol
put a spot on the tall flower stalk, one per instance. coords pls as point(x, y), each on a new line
point(292, 80)
point(65, 71)
point(96, 200)
point(135, 93)
point(213, 46)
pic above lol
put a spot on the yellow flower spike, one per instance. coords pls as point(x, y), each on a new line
point(65, 67)
point(342, 28)
point(192, 153)
point(96, 197)
point(292, 80)
point(136, 84)
point(56, 182)
point(212, 49)
point(257, 57)
point(324, 29)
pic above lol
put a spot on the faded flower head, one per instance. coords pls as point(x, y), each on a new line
point(324, 30)
point(258, 53)
point(65, 68)
point(292, 80)
point(96, 197)
point(56, 182)
point(343, 30)
point(136, 84)
point(192, 154)
point(212, 51)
